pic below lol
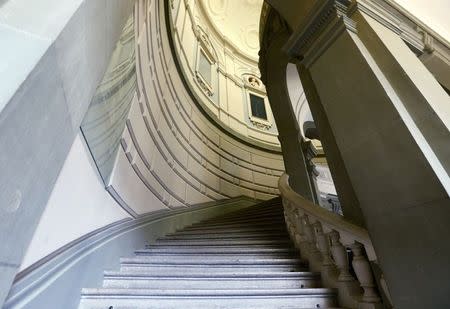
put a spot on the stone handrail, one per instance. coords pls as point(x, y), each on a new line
point(323, 239)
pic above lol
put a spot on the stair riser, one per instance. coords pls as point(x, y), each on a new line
point(249, 219)
point(230, 257)
point(225, 243)
point(213, 261)
point(213, 250)
point(281, 229)
point(192, 270)
point(256, 210)
point(209, 303)
point(277, 215)
point(237, 225)
point(228, 236)
point(296, 283)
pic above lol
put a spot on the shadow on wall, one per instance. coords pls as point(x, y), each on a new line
point(105, 119)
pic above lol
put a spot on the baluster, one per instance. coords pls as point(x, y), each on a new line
point(310, 238)
point(322, 243)
point(298, 220)
point(289, 220)
point(302, 242)
point(340, 257)
point(364, 274)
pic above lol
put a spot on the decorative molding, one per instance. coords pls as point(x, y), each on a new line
point(260, 124)
point(326, 21)
point(419, 36)
point(271, 145)
point(203, 85)
point(211, 95)
point(202, 137)
point(254, 83)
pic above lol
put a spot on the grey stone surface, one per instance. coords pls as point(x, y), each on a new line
point(391, 173)
point(37, 125)
point(287, 124)
point(79, 80)
point(35, 137)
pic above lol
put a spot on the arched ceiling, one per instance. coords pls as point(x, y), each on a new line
point(237, 21)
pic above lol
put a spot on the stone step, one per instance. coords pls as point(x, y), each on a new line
point(182, 256)
point(266, 224)
point(186, 244)
point(213, 260)
point(214, 250)
point(200, 230)
point(261, 212)
point(276, 210)
point(257, 208)
point(248, 222)
point(216, 280)
point(240, 236)
point(186, 269)
point(207, 299)
point(224, 242)
point(238, 218)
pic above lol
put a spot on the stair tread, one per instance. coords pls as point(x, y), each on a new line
point(215, 275)
point(202, 293)
point(218, 261)
point(244, 259)
point(213, 250)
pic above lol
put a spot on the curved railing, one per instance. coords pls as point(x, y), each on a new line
point(324, 239)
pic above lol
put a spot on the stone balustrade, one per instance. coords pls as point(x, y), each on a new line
point(326, 240)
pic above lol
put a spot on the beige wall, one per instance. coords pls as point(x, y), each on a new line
point(229, 103)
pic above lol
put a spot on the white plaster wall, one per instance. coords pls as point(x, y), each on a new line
point(79, 204)
point(433, 13)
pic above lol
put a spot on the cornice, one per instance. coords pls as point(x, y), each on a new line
point(327, 21)
point(419, 36)
point(335, 15)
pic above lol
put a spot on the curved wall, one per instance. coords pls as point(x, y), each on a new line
point(234, 76)
point(171, 155)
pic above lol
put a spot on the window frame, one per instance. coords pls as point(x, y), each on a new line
point(201, 52)
point(259, 123)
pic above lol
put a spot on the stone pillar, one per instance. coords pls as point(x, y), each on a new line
point(388, 121)
point(342, 182)
point(288, 128)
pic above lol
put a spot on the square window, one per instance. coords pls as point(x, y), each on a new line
point(204, 67)
point(258, 106)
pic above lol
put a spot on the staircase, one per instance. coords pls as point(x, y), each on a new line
point(240, 260)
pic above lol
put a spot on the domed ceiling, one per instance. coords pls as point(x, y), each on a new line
point(237, 21)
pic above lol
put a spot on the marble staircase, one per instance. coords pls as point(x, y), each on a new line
point(244, 259)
